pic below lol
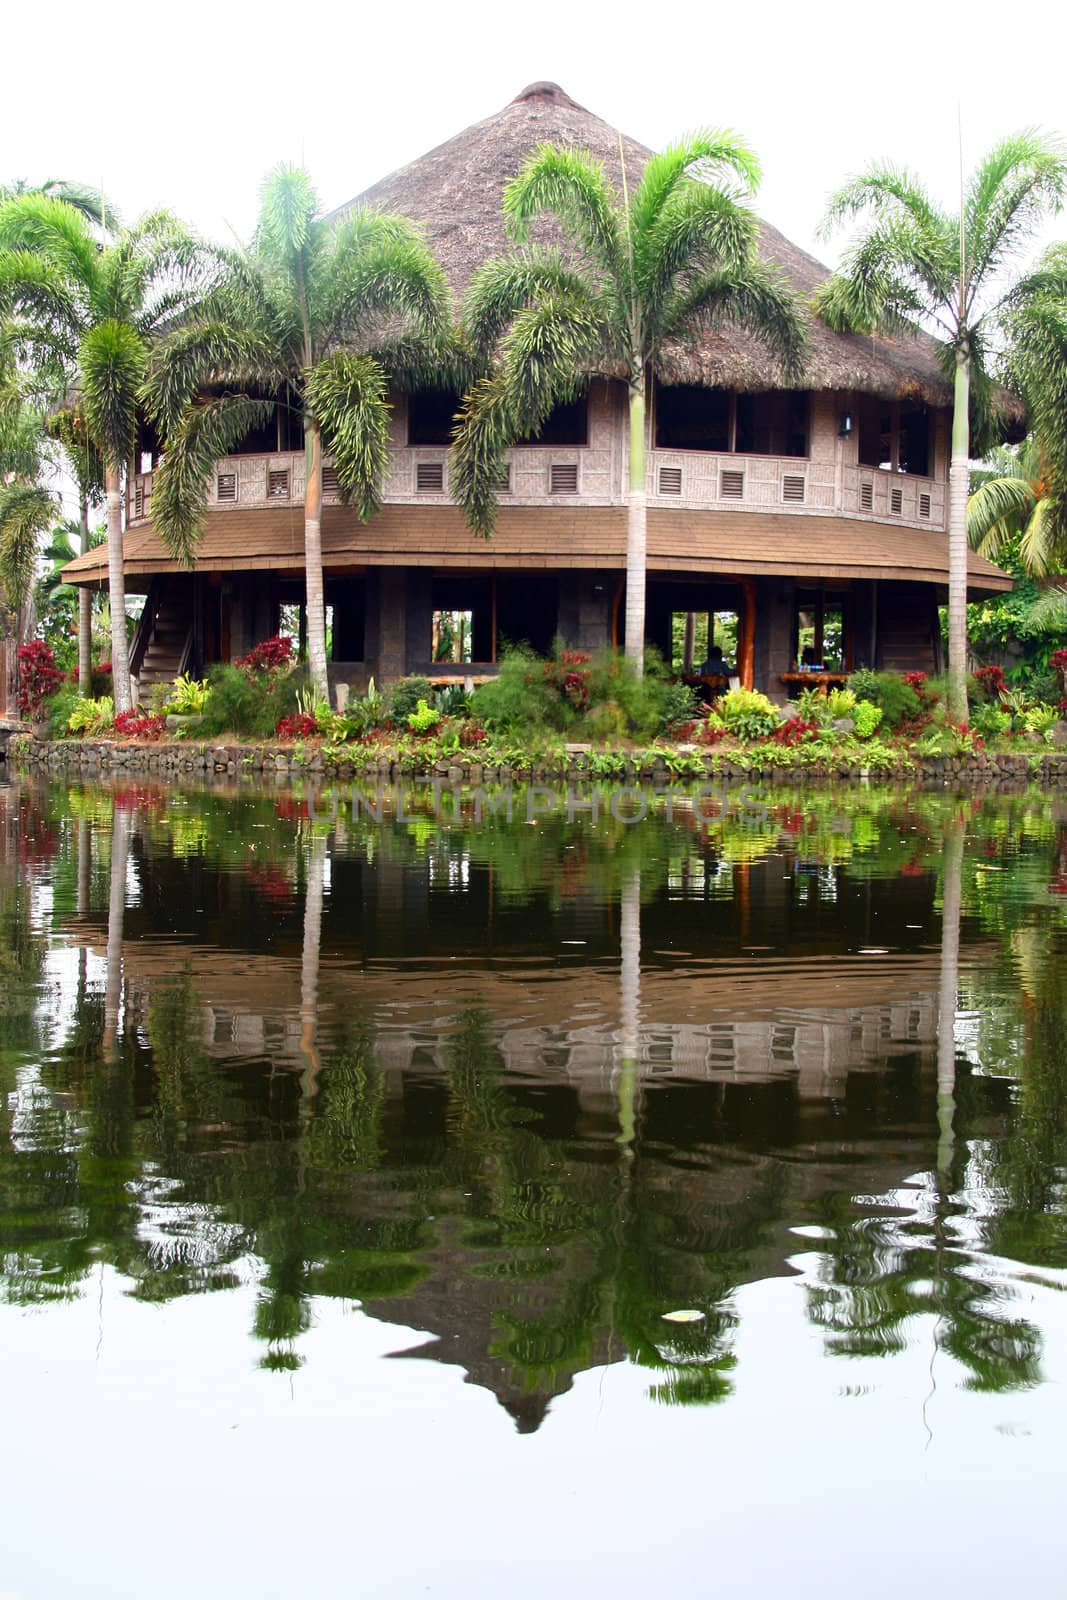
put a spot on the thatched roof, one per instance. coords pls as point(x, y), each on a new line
point(456, 192)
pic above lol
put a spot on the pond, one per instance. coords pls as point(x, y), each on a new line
point(399, 1198)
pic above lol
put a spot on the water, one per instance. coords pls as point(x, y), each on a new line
point(352, 1176)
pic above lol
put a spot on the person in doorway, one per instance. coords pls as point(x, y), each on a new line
point(713, 666)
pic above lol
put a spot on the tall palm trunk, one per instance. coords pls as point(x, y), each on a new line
point(636, 528)
point(689, 645)
point(629, 1004)
point(316, 605)
point(116, 583)
point(309, 969)
point(958, 491)
point(116, 915)
point(951, 899)
point(85, 616)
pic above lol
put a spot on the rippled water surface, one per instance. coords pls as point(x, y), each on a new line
point(424, 1202)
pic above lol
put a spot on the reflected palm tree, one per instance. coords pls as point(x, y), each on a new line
point(116, 914)
point(629, 1044)
point(948, 993)
point(309, 965)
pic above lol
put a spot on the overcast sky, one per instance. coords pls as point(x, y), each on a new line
point(189, 105)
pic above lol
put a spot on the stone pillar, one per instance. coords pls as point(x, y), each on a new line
point(418, 646)
point(386, 633)
point(774, 635)
point(585, 609)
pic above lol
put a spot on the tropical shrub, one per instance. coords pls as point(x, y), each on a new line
point(991, 721)
point(423, 719)
point(60, 708)
point(681, 707)
point(898, 698)
point(187, 697)
point(101, 682)
point(867, 717)
point(840, 703)
point(405, 695)
point(568, 673)
point(812, 707)
point(1040, 718)
point(39, 678)
point(520, 696)
point(989, 683)
point(453, 701)
point(137, 724)
point(251, 704)
point(747, 714)
point(92, 716)
point(794, 731)
point(271, 655)
point(297, 725)
point(471, 735)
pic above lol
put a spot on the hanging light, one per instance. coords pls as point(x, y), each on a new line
point(845, 430)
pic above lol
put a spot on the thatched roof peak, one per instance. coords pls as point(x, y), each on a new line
point(550, 92)
point(455, 190)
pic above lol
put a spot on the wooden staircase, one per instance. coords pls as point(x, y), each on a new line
point(164, 638)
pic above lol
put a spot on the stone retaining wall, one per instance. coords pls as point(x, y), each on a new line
point(197, 761)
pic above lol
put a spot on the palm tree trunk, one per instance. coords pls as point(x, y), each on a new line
point(951, 898)
point(116, 584)
point(316, 607)
point(85, 616)
point(116, 914)
point(958, 490)
point(629, 1004)
point(309, 968)
point(636, 529)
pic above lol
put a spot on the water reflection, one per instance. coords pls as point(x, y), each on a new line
point(535, 1089)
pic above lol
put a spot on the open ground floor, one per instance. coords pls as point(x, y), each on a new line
point(767, 632)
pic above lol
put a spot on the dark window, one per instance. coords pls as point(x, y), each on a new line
point(691, 418)
point(913, 450)
point(567, 424)
point(773, 424)
point(895, 437)
point(431, 416)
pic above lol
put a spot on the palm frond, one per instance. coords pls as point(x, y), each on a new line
point(111, 363)
point(1048, 614)
point(572, 185)
point(395, 278)
point(996, 512)
point(1012, 191)
point(207, 430)
point(547, 355)
point(346, 395)
point(485, 430)
point(287, 212)
point(26, 511)
point(700, 229)
point(506, 285)
point(45, 226)
point(886, 192)
point(761, 302)
point(710, 155)
point(70, 429)
point(182, 364)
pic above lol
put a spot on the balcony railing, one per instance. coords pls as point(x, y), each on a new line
point(690, 479)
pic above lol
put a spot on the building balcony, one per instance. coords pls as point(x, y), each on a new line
point(576, 476)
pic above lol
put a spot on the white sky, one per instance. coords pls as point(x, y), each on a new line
point(190, 104)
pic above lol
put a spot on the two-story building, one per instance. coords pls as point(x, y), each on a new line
point(816, 513)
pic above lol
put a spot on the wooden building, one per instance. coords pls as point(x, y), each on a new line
point(817, 514)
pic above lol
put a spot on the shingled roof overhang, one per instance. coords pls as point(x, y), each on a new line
point(455, 191)
point(556, 537)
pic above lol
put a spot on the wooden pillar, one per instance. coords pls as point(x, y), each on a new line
point(746, 653)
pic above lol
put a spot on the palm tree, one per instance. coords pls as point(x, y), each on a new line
point(322, 312)
point(915, 263)
point(27, 509)
point(83, 316)
point(92, 203)
point(87, 468)
point(644, 271)
point(1011, 499)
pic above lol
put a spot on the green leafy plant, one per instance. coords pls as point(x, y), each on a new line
point(841, 703)
point(188, 696)
point(423, 719)
point(867, 717)
point(92, 717)
point(405, 695)
point(748, 714)
point(898, 699)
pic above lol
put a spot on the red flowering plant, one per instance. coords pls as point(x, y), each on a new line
point(710, 733)
point(137, 724)
point(1058, 662)
point(990, 683)
point(569, 673)
point(794, 732)
point(297, 726)
point(39, 678)
point(471, 735)
point(270, 656)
